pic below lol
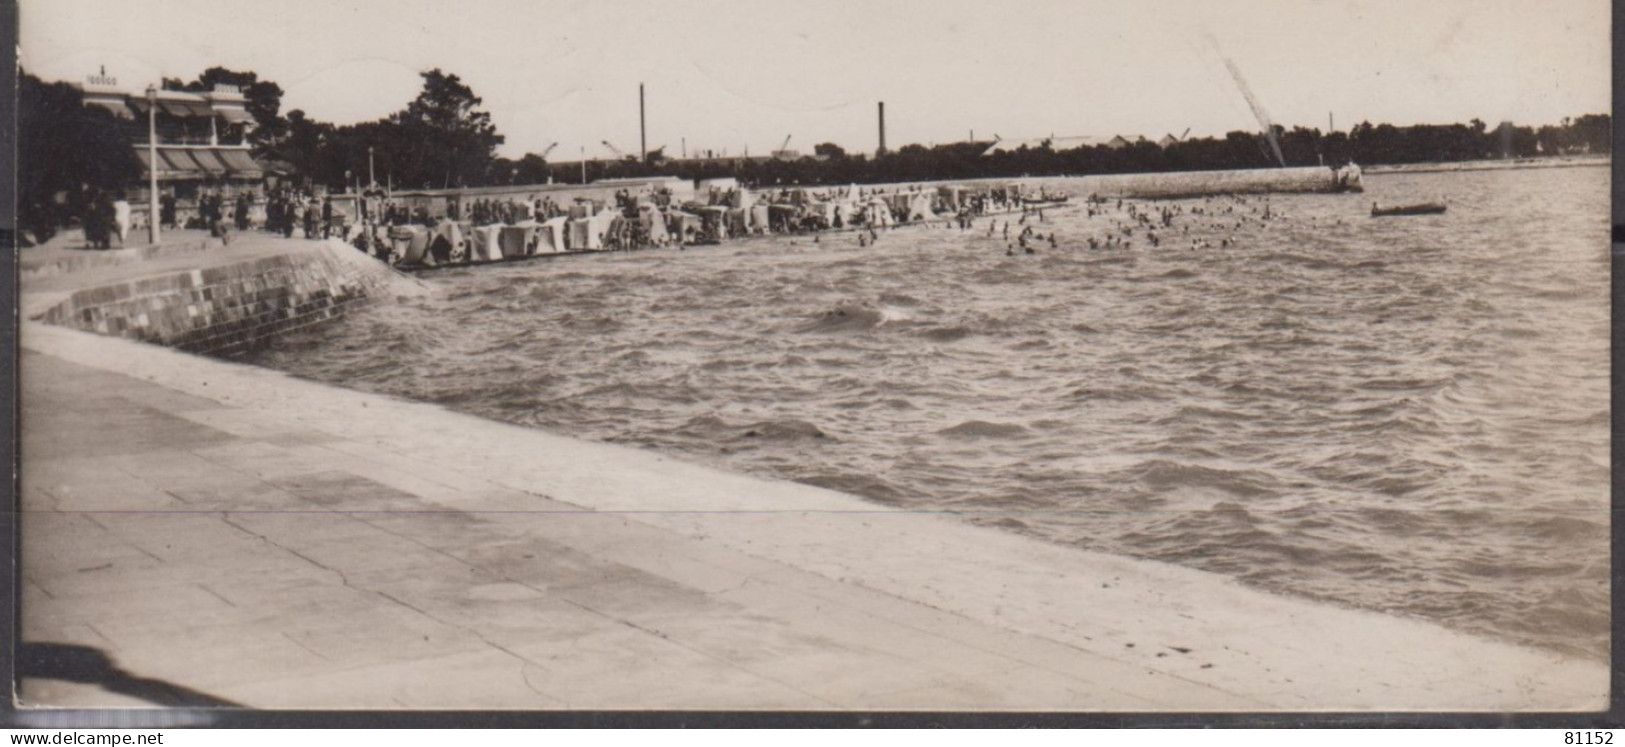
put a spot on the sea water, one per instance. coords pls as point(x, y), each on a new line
point(1403, 414)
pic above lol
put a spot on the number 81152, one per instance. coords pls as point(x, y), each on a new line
point(1588, 737)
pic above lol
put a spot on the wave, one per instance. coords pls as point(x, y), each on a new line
point(844, 318)
point(784, 430)
point(984, 429)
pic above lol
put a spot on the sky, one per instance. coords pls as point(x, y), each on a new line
point(738, 75)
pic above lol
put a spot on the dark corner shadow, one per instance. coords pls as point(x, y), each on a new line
point(89, 665)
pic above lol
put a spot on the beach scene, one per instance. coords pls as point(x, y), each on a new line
point(428, 380)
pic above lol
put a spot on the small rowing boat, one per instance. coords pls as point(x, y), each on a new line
point(1425, 208)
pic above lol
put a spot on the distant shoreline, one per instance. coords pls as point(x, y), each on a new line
point(1517, 163)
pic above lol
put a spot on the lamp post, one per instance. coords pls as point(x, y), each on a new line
point(372, 179)
point(152, 164)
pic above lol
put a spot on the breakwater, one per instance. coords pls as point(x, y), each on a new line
point(225, 306)
point(1204, 183)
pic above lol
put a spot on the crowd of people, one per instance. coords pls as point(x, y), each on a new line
point(651, 218)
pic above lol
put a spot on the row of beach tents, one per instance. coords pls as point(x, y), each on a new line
point(732, 213)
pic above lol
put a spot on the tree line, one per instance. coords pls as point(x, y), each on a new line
point(444, 138)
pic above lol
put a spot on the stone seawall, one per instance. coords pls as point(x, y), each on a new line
point(227, 309)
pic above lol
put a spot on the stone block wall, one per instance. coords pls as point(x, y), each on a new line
point(227, 310)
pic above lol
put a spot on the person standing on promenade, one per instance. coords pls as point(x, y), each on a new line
point(121, 218)
point(290, 215)
point(327, 217)
point(166, 210)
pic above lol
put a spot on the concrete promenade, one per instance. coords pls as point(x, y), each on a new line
point(245, 537)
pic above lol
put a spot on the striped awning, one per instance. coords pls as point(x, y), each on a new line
point(208, 161)
point(185, 162)
point(233, 114)
point(176, 104)
point(239, 161)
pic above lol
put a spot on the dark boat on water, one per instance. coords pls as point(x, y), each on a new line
point(1426, 208)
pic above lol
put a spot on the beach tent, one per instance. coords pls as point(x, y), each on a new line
point(550, 236)
point(517, 240)
point(601, 223)
point(781, 216)
point(715, 217)
point(619, 231)
point(759, 217)
point(411, 244)
point(738, 221)
point(653, 223)
point(486, 246)
point(919, 207)
point(587, 234)
point(878, 213)
point(845, 209)
point(681, 223)
point(446, 243)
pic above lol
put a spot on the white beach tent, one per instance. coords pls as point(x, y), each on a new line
point(550, 236)
point(486, 243)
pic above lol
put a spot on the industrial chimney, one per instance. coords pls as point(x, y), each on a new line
point(882, 150)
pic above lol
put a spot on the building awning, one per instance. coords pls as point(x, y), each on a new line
point(176, 104)
point(181, 163)
point(239, 161)
point(186, 108)
point(208, 161)
point(114, 105)
point(233, 114)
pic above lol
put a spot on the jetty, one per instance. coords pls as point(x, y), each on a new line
point(209, 533)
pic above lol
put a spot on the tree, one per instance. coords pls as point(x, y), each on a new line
point(308, 146)
point(531, 169)
point(454, 140)
point(65, 149)
point(829, 150)
point(1592, 133)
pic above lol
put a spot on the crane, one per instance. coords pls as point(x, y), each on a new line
point(617, 151)
point(784, 153)
point(548, 149)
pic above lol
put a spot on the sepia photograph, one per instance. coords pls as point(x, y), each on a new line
point(820, 357)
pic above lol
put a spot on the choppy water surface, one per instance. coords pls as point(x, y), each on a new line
point(1405, 414)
